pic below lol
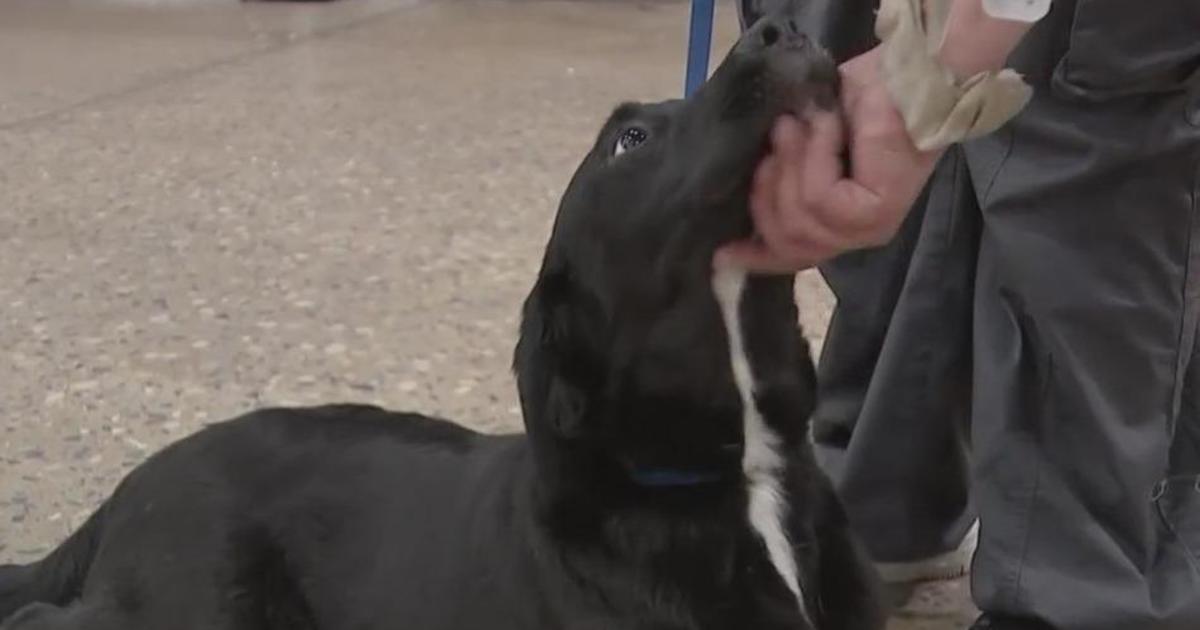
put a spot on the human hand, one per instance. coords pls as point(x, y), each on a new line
point(806, 207)
point(975, 41)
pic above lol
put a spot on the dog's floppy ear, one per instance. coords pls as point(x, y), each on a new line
point(557, 357)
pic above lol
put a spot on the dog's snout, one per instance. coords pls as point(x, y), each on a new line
point(773, 32)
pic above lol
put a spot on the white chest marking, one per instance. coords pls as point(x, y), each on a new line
point(761, 462)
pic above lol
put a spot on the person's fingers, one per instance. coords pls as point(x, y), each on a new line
point(762, 194)
point(823, 164)
point(871, 210)
point(766, 179)
point(768, 223)
point(790, 248)
point(770, 220)
point(795, 202)
point(851, 209)
point(756, 257)
point(788, 138)
point(797, 217)
point(809, 205)
point(788, 142)
point(790, 202)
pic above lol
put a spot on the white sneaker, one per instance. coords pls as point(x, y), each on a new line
point(947, 566)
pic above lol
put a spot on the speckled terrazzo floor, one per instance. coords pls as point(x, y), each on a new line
point(207, 206)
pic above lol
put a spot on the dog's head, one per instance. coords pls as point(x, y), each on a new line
point(623, 361)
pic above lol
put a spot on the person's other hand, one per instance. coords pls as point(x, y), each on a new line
point(806, 208)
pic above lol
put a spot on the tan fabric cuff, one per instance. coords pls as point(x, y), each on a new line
point(938, 109)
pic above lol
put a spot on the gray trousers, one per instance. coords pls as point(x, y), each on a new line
point(1025, 352)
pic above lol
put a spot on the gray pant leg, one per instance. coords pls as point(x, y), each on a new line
point(890, 425)
point(1084, 421)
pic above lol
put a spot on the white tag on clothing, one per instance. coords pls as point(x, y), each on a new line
point(1017, 10)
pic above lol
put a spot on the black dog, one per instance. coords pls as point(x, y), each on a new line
point(665, 481)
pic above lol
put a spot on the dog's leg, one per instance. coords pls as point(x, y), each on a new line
point(850, 593)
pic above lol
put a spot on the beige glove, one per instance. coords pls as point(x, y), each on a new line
point(938, 109)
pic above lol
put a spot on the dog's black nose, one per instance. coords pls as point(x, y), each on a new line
point(772, 31)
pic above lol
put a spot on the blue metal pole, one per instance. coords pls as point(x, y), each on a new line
point(699, 45)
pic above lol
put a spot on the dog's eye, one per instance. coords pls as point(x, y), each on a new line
point(629, 140)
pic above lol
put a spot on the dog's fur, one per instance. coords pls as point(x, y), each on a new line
point(664, 481)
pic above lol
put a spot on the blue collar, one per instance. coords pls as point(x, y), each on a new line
point(728, 464)
point(673, 477)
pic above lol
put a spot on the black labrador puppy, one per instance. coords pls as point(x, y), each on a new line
point(665, 481)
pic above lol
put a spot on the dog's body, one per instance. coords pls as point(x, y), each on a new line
point(665, 481)
point(354, 517)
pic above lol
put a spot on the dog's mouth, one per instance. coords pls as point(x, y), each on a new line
point(792, 80)
point(775, 69)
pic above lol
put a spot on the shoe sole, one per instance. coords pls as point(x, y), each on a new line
point(947, 566)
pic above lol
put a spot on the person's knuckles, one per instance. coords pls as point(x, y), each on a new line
point(780, 133)
point(783, 241)
point(816, 194)
point(827, 126)
point(797, 226)
point(789, 192)
point(811, 224)
point(801, 231)
point(849, 221)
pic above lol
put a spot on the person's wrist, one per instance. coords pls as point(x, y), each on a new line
point(976, 42)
